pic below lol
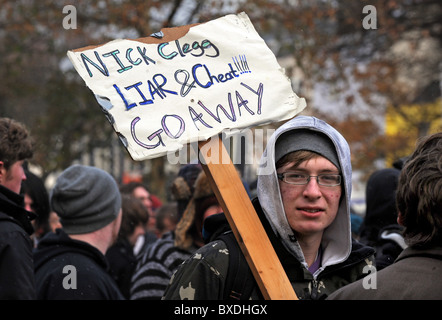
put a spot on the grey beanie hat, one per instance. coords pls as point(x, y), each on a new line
point(86, 199)
point(309, 140)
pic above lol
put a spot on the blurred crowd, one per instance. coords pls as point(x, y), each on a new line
point(91, 238)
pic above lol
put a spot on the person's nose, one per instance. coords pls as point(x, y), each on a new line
point(312, 189)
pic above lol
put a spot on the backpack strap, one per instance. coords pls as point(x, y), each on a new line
point(240, 281)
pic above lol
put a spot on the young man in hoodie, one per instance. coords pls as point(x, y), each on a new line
point(303, 202)
point(16, 264)
point(70, 264)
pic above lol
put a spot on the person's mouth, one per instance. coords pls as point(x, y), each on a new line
point(311, 211)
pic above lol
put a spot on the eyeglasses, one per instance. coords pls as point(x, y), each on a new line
point(296, 178)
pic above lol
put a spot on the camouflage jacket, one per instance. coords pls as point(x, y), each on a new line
point(203, 276)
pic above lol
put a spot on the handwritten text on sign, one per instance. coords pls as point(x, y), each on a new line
point(160, 96)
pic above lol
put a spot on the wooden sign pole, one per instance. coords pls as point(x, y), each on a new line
point(249, 232)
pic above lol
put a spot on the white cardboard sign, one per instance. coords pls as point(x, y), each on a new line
point(159, 96)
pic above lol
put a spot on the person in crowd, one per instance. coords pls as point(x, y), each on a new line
point(37, 200)
point(183, 186)
point(16, 264)
point(120, 255)
point(303, 201)
point(167, 219)
point(54, 221)
point(416, 273)
point(140, 191)
point(157, 264)
point(71, 264)
point(380, 229)
point(156, 203)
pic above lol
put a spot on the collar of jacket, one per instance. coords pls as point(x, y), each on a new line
point(12, 206)
point(58, 243)
point(434, 252)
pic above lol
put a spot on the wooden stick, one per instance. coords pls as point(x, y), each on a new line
point(246, 226)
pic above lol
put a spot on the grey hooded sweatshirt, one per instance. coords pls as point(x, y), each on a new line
point(205, 274)
point(336, 242)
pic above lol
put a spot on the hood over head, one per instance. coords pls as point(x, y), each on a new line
point(336, 240)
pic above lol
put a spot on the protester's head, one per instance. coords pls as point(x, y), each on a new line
point(419, 194)
point(203, 204)
point(167, 218)
point(298, 155)
point(16, 146)
point(304, 183)
point(37, 200)
point(86, 199)
point(134, 220)
point(380, 197)
point(183, 186)
point(140, 191)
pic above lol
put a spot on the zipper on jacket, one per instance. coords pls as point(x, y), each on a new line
point(314, 294)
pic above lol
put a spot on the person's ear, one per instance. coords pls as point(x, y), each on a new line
point(2, 171)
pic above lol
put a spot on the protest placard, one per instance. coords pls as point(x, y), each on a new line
point(187, 84)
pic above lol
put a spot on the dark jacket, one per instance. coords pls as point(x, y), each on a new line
point(16, 264)
point(415, 275)
point(70, 269)
point(122, 263)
